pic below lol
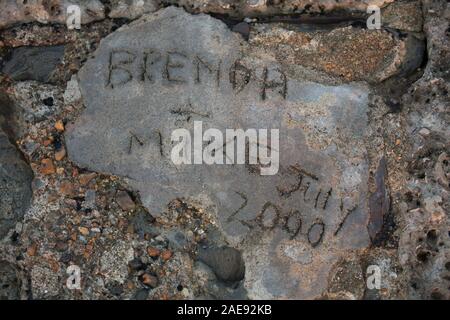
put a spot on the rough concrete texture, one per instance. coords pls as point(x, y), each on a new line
point(42, 11)
point(403, 15)
point(424, 244)
point(364, 175)
point(348, 52)
point(132, 9)
point(250, 8)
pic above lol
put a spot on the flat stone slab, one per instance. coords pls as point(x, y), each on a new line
point(170, 69)
point(33, 63)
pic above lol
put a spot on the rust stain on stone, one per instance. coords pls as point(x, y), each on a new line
point(379, 203)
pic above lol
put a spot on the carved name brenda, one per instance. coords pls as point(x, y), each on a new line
point(176, 67)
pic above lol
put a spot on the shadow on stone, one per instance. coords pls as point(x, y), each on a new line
point(226, 262)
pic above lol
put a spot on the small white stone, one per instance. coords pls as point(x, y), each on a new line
point(72, 93)
point(19, 227)
point(185, 292)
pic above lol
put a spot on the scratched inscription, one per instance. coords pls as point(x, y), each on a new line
point(176, 67)
point(169, 71)
point(304, 189)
